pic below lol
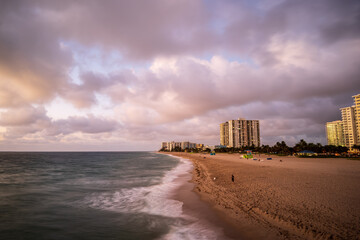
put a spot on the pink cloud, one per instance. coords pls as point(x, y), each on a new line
point(183, 67)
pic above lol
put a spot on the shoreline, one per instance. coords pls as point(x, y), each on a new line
point(294, 199)
point(195, 207)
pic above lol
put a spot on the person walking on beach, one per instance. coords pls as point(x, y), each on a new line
point(232, 177)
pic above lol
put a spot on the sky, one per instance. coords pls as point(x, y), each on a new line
point(121, 75)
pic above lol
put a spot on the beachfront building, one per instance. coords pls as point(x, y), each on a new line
point(211, 147)
point(349, 126)
point(357, 116)
point(224, 134)
point(335, 133)
point(171, 146)
point(199, 146)
point(240, 133)
point(187, 145)
point(350, 122)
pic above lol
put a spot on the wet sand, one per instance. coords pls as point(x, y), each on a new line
point(202, 211)
point(297, 198)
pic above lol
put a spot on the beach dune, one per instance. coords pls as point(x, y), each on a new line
point(295, 198)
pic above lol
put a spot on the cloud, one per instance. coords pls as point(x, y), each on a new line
point(22, 116)
point(89, 124)
point(29, 123)
point(249, 27)
point(33, 64)
point(187, 86)
point(138, 29)
point(169, 69)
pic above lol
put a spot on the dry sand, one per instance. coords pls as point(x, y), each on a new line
point(298, 198)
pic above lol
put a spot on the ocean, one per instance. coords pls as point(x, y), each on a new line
point(95, 195)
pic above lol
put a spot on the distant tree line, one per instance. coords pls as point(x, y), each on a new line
point(280, 148)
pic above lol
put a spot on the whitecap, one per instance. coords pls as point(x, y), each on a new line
point(156, 200)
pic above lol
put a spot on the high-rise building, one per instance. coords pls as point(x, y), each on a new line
point(199, 145)
point(349, 126)
point(187, 145)
point(224, 134)
point(239, 133)
point(170, 146)
point(335, 133)
point(357, 116)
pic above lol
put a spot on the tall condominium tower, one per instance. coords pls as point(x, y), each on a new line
point(357, 117)
point(224, 134)
point(349, 126)
point(335, 133)
point(239, 133)
point(350, 134)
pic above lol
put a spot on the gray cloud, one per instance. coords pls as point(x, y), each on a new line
point(34, 123)
point(294, 64)
point(33, 64)
point(22, 116)
point(139, 29)
point(89, 124)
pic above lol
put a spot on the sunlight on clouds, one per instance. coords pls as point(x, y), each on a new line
point(221, 66)
point(162, 66)
point(77, 137)
point(61, 109)
point(25, 85)
point(134, 114)
point(168, 96)
point(164, 70)
point(165, 67)
point(297, 53)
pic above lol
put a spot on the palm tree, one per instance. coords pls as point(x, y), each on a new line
point(300, 146)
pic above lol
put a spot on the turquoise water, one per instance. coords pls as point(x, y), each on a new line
point(91, 195)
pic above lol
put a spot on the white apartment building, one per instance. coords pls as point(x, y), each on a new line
point(349, 126)
point(346, 132)
point(239, 133)
point(169, 146)
point(357, 116)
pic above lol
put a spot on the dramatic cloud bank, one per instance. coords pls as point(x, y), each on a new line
point(126, 75)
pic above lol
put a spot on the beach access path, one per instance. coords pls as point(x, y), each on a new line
point(295, 198)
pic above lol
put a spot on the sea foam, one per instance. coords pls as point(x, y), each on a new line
point(152, 199)
point(156, 200)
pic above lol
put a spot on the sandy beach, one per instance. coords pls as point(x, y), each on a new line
point(295, 198)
